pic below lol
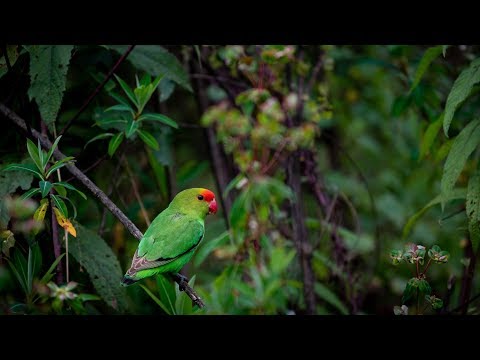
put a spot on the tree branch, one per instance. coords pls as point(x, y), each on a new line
point(97, 90)
point(104, 199)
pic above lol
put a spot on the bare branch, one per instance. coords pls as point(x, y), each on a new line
point(104, 199)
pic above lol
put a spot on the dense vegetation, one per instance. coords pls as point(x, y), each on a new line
point(346, 176)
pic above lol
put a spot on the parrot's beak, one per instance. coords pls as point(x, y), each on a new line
point(212, 207)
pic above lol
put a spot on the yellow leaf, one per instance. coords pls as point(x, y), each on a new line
point(64, 222)
point(41, 211)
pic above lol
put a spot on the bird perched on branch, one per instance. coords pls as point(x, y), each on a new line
point(172, 238)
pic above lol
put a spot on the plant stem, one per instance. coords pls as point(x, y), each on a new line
point(418, 272)
point(56, 243)
point(135, 190)
point(426, 267)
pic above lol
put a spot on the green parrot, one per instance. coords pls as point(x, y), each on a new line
point(171, 239)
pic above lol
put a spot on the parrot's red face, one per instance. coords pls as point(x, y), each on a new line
point(209, 197)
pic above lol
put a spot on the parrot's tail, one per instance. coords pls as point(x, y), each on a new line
point(127, 280)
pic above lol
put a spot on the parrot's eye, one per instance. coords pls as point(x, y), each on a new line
point(200, 197)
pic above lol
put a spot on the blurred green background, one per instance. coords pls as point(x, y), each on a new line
point(320, 156)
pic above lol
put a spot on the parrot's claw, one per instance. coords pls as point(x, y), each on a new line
point(183, 281)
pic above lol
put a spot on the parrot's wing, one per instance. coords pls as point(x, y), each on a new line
point(166, 240)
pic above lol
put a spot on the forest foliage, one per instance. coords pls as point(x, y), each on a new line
point(346, 176)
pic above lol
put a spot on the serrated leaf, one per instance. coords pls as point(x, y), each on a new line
point(98, 259)
point(460, 90)
point(473, 209)
point(148, 139)
point(464, 144)
point(71, 187)
point(156, 61)
point(430, 55)
point(13, 54)
point(115, 143)
point(429, 137)
point(160, 118)
point(98, 137)
point(454, 195)
point(48, 73)
point(45, 187)
point(330, 297)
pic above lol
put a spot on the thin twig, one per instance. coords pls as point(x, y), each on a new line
point(466, 303)
point(105, 200)
point(275, 157)
point(56, 244)
point(109, 193)
point(135, 190)
point(94, 165)
point(97, 90)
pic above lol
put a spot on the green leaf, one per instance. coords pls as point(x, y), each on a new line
point(156, 61)
point(424, 286)
point(443, 151)
point(158, 117)
point(30, 193)
point(102, 265)
point(50, 152)
point(165, 88)
point(59, 164)
point(98, 137)
point(156, 299)
point(132, 128)
point(400, 105)
point(148, 139)
point(183, 304)
point(115, 143)
point(48, 73)
point(166, 291)
point(430, 55)
point(13, 54)
point(71, 187)
point(120, 107)
point(60, 205)
point(206, 247)
point(462, 147)
point(45, 187)
point(330, 297)
point(120, 99)
point(34, 155)
point(460, 90)
point(454, 195)
point(473, 209)
point(20, 269)
point(429, 136)
point(127, 90)
point(24, 167)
